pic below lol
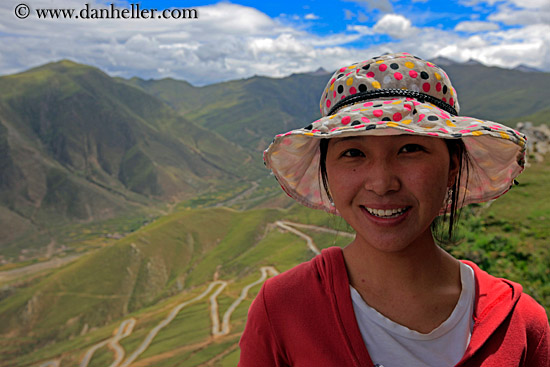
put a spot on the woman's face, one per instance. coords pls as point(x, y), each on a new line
point(390, 188)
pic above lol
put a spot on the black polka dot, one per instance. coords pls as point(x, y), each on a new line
point(340, 89)
point(445, 89)
point(370, 127)
point(362, 88)
point(424, 75)
point(366, 67)
point(308, 127)
point(386, 119)
point(415, 111)
point(377, 105)
point(394, 66)
point(433, 118)
point(339, 76)
point(355, 123)
point(456, 135)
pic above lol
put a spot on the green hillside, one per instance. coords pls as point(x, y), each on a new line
point(173, 260)
point(78, 146)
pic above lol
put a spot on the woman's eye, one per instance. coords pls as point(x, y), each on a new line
point(411, 148)
point(352, 153)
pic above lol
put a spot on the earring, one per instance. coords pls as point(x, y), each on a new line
point(450, 196)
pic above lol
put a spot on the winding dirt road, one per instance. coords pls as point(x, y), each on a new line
point(217, 287)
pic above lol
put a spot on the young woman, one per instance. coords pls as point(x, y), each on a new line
point(389, 155)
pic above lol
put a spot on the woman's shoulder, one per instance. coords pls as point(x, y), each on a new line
point(309, 280)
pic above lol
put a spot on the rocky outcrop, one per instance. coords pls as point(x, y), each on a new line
point(538, 139)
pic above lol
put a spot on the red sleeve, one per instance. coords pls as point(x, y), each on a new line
point(259, 346)
point(538, 338)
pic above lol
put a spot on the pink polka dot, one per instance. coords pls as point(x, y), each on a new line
point(438, 87)
point(365, 119)
point(370, 74)
point(444, 130)
point(368, 104)
point(444, 99)
point(332, 81)
point(352, 90)
point(342, 97)
point(398, 76)
point(413, 74)
point(383, 67)
point(410, 130)
point(348, 74)
point(286, 141)
point(433, 134)
point(444, 115)
point(426, 87)
point(342, 69)
point(359, 126)
point(377, 113)
point(346, 120)
point(397, 117)
point(451, 101)
point(421, 117)
point(387, 102)
point(464, 131)
point(416, 103)
point(407, 107)
point(334, 94)
point(315, 131)
point(328, 103)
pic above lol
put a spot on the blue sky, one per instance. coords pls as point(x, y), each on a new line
point(241, 38)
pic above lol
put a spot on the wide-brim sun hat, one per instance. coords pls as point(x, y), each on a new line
point(390, 95)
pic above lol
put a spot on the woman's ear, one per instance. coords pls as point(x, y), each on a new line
point(454, 167)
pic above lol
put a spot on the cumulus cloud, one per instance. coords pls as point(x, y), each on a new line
point(231, 41)
point(476, 26)
point(394, 25)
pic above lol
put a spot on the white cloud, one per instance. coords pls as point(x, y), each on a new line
point(394, 25)
point(476, 26)
point(231, 41)
point(311, 16)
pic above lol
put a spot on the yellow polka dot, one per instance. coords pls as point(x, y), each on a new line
point(409, 64)
point(392, 124)
point(406, 122)
point(349, 81)
point(308, 134)
point(331, 117)
point(449, 123)
point(380, 61)
point(504, 135)
point(437, 76)
point(331, 87)
point(396, 102)
point(363, 110)
point(376, 85)
point(477, 133)
point(352, 67)
point(428, 106)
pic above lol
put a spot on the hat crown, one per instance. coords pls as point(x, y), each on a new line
point(401, 71)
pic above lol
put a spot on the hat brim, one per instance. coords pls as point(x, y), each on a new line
point(496, 152)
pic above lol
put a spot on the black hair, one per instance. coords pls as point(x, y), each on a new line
point(456, 148)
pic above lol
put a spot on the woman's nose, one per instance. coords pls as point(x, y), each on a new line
point(381, 178)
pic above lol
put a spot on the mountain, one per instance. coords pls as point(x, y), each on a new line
point(78, 145)
point(248, 112)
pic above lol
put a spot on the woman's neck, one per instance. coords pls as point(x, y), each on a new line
point(417, 287)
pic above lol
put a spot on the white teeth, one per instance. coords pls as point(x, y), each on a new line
point(386, 213)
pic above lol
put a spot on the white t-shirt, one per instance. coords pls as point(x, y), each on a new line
point(393, 345)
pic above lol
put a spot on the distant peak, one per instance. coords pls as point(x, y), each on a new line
point(319, 71)
point(443, 61)
point(527, 69)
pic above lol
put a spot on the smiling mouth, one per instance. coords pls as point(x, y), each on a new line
point(386, 213)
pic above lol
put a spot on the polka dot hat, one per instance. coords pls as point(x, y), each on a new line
point(388, 95)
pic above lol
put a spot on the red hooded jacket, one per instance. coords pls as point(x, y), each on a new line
point(305, 317)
